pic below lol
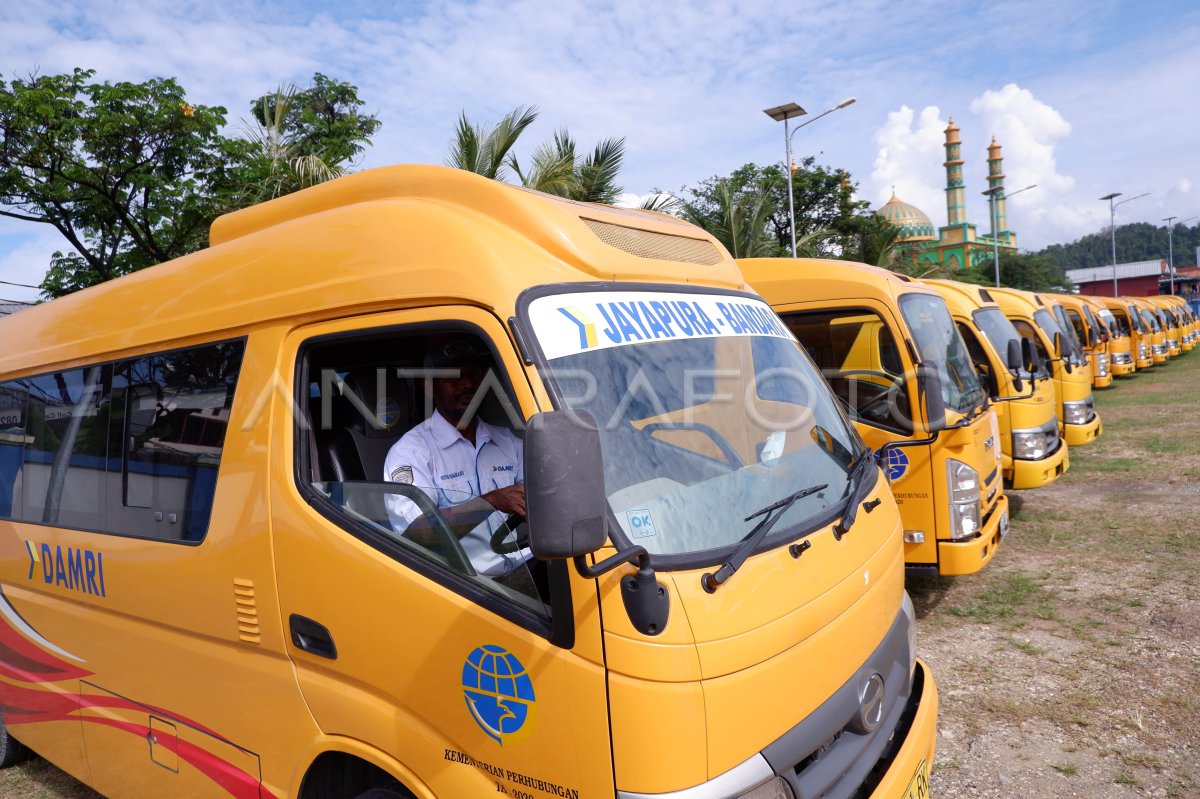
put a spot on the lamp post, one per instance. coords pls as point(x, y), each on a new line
point(1112, 224)
point(782, 113)
point(1170, 220)
point(994, 194)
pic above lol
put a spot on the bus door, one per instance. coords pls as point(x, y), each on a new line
point(866, 366)
point(467, 672)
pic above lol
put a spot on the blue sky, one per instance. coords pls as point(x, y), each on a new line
point(1087, 98)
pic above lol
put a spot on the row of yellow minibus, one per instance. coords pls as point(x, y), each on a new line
point(415, 484)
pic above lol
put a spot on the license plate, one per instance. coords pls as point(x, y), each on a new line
point(1003, 524)
point(919, 787)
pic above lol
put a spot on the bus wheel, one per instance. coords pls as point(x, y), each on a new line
point(12, 751)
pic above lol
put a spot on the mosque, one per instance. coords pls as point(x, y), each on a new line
point(956, 245)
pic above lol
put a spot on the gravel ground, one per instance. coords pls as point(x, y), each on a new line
point(1069, 667)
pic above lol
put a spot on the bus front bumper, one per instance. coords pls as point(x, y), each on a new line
point(910, 769)
point(970, 556)
point(1079, 435)
point(1035, 474)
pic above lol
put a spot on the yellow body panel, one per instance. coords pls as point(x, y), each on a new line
point(182, 673)
point(1030, 408)
point(1071, 386)
point(920, 488)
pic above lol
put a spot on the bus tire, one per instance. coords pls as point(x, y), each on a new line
point(12, 751)
point(385, 793)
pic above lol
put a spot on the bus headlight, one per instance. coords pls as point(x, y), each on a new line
point(773, 789)
point(1029, 445)
point(1075, 412)
point(964, 499)
point(1142, 351)
point(1101, 365)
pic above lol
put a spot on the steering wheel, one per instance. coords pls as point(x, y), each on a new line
point(513, 523)
point(871, 404)
point(452, 549)
point(731, 455)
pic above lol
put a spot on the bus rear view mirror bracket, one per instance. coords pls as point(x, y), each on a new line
point(567, 511)
point(1058, 350)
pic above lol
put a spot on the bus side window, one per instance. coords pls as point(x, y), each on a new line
point(859, 356)
point(360, 397)
point(130, 448)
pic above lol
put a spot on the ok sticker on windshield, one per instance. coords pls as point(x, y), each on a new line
point(641, 525)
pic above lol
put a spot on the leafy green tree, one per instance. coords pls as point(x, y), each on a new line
point(827, 216)
point(132, 174)
point(128, 173)
point(1029, 271)
point(299, 138)
point(875, 241)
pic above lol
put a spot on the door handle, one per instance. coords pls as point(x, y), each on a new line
point(312, 637)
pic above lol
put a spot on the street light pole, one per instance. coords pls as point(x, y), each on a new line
point(1170, 220)
point(1112, 223)
point(784, 113)
point(993, 194)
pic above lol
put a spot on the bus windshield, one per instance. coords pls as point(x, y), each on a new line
point(1118, 324)
point(939, 344)
point(1139, 324)
point(999, 331)
point(707, 409)
point(1070, 344)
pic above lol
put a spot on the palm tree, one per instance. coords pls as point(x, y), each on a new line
point(485, 150)
point(553, 168)
point(277, 165)
point(740, 220)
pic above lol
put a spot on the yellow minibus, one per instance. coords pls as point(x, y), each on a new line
point(1072, 383)
point(1125, 351)
point(1078, 322)
point(1156, 335)
point(1033, 452)
point(415, 484)
point(1179, 311)
point(892, 354)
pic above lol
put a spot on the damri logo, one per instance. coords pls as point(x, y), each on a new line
point(498, 691)
point(587, 330)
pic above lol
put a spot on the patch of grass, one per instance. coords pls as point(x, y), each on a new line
point(1007, 595)
point(1070, 769)
point(1125, 778)
point(1109, 465)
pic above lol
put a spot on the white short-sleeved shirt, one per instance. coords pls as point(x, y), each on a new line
point(435, 457)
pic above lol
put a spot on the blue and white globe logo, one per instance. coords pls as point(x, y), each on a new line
point(897, 464)
point(498, 691)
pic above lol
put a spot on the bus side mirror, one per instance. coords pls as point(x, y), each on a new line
point(1014, 360)
point(565, 503)
point(930, 384)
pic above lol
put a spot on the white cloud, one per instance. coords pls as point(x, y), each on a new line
point(26, 249)
point(908, 161)
point(1029, 131)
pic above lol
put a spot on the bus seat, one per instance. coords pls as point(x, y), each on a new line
point(361, 439)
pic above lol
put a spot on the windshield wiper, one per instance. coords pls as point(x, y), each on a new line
point(860, 486)
point(713, 580)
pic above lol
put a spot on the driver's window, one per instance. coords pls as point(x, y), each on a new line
point(411, 442)
point(859, 356)
point(1026, 330)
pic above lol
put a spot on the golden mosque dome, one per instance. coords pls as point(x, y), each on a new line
point(912, 222)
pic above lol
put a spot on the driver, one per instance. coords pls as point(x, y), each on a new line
point(468, 467)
